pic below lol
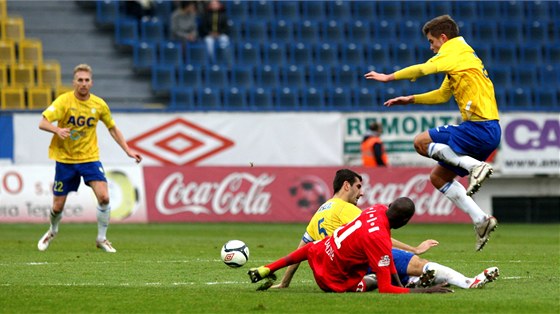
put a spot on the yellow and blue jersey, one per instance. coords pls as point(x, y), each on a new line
point(466, 79)
point(82, 118)
point(331, 215)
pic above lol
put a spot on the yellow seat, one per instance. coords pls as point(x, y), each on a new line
point(48, 73)
point(13, 28)
point(61, 89)
point(12, 97)
point(39, 97)
point(30, 51)
point(7, 51)
point(3, 75)
point(3, 9)
point(22, 74)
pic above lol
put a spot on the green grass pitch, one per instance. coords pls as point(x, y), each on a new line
point(176, 268)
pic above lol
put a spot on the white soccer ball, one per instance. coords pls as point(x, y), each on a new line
point(235, 253)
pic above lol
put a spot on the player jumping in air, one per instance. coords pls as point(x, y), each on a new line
point(460, 149)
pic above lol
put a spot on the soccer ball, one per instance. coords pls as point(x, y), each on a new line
point(235, 253)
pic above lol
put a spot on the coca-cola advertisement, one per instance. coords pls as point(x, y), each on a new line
point(281, 194)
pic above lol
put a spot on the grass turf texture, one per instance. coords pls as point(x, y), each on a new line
point(176, 268)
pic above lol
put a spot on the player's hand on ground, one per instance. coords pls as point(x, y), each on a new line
point(425, 246)
point(439, 288)
point(372, 75)
point(401, 100)
point(279, 286)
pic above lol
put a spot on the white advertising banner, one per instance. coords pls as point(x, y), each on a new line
point(26, 196)
point(530, 144)
point(204, 139)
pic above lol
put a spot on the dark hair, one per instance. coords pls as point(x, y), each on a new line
point(400, 211)
point(443, 24)
point(375, 126)
point(343, 175)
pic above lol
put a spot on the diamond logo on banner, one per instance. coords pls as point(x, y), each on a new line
point(179, 142)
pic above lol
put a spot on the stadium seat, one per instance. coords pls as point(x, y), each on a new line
point(352, 54)
point(358, 31)
point(383, 31)
point(410, 32)
point(437, 8)
point(319, 76)
point(170, 53)
point(377, 54)
point(3, 75)
point(306, 31)
point(525, 76)
point(403, 54)
point(293, 75)
point(549, 76)
point(13, 28)
point(7, 51)
point(235, 30)
point(12, 97)
point(312, 98)
point(505, 54)
point(484, 52)
point(531, 55)
point(61, 89)
point(415, 10)
point(209, 99)
point(49, 74)
point(190, 76)
point(465, 29)
point(262, 10)
point(520, 98)
point(326, 54)
point(501, 76)
point(151, 30)
point(545, 98)
point(235, 98)
point(22, 74)
point(333, 31)
point(514, 10)
point(363, 10)
point(314, 10)
point(301, 53)
point(501, 97)
point(237, 10)
point(267, 76)
point(30, 51)
point(489, 10)
point(126, 32)
point(537, 31)
point(339, 98)
point(281, 31)
point(287, 10)
point(389, 10)
point(163, 78)
point(339, 10)
point(287, 98)
point(551, 53)
point(485, 32)
point(3, 9)
point(255, 31)
point(511, 31)
point(215, 76)
point(107, 12)
point(39, 97)
point(538, 11)
point(242, 76)
point(162, 9)
point(274, 53)
point(364, 98)
point(196, 54)
point(346, 75)
point(248, 54)
point(261, 98)
point(143, 56)
point(464, 10)
point(423, 53)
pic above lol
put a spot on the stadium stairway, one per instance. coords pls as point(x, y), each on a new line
point(69, 35)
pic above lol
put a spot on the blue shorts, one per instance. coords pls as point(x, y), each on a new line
point(476, 139)
point(402, 259)
point(67, 176)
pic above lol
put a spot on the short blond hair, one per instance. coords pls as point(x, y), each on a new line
point(82, 67)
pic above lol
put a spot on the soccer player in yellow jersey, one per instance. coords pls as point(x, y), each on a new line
point(75, 150)
point(460, 149)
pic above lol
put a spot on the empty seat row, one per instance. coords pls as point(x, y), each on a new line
point(46, 74)
point(32, 98)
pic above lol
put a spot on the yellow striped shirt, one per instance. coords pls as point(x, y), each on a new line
point(82, 118)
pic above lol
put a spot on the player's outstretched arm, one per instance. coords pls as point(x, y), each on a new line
point(421, 248)
point(401, 100)
point(119, 138)
point(289, 274)
point(381, 77)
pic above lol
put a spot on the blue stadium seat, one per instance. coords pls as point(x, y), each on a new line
point(209, 98)
point(410, 32)
point(537, 31)
point(262, 10)
point(235, 30)
point(464, 10)
point(513, 10)
point(287, 10)
point(501, 76)
point(255, 31)
point(465, 29)
point(339, 98)
point(437, 8)
point(489, 10)
point(163, 78)
point(485, 32)
point(363, 10)
point(531, 55)
point(385, 93)
point(549, 76)
point(267, 76)
point(281, 31)
point(364, 98)
point(287, 98)
point(170, 53)
point(312, 98)
point(520, 98)
point(358, 31)
point(293, 75)
point(538, 11)
point(248, 53)
point(484, 52)
point(235, 98)
point(525, 76)
point(377, 54)
point(107, 12)
point(403, 54)
point(352, 54)
point(182, 98)
point(415, 10)
point(339, 10)
point(511, 31)
point(196, 54)
point(551, 53)
point(274, 53)
point(314, 10)
point(389, 10)
point(190, 76)
point(306, 31)
point(423, 53)
point(326, 54)
point(383, 31)
point(151, 30)
point(333, 31)
point(144, 56)
point(501, 97)
point(319, 76)
point(126, 32)
point(545, 98)
point(242, 76)
point(237, 10)
point(346, 75)
point(300, 53)
point(505, 54)
point(162, 9)
point(215, 76)
point(261, 98)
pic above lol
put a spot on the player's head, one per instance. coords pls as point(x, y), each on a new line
point(400, 211)
point(348, 185)
point(376, 127)
point(83, 80)
point(439, 30)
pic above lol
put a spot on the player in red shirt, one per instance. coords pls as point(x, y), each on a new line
point(341, 262)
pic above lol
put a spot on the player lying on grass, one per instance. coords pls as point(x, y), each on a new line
point(341, 262)
point(413, 270)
